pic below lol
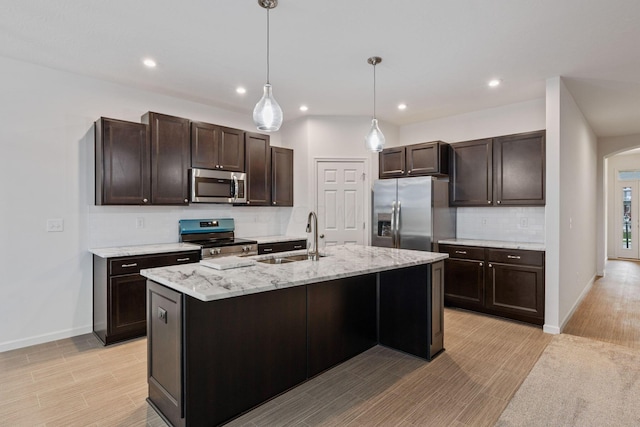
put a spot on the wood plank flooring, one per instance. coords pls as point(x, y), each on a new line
point(77, 382)
point(610, 312)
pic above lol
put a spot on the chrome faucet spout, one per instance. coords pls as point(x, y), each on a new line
point(313, 254)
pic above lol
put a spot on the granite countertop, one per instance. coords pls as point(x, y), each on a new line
point(208, 284)
point(276, 239)
point(494, 244)
point(143, 249)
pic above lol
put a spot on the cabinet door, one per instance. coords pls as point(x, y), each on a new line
point(123, 174)
point(519, 169)
point(391, 162)
point(164, 352)
point(516, 291)
point(471, 173)
point(464, 283)
point(258, 169)
point(341, 316)
point(282, 176)
point(127, 311)
point(429, 158)
point(231, 149)
point(204, 145)
point(170, 159)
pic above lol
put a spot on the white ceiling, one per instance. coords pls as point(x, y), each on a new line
point(437, 54)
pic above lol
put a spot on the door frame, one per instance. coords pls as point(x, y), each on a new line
point(367, 187)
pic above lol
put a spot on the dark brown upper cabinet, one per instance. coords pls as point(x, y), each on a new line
point(519, 169)
point(258, 169)
point(281, 176)
point(502, 171)
point(170, 158)
point(427, 158)
point(217, 147)
point(471, 173)
point(122, 174)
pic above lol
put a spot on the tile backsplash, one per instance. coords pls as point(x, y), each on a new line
point(511, 224)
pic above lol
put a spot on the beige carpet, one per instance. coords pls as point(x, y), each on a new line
point(579, 382)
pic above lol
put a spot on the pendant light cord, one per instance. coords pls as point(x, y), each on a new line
point(374, 91)
point(267, 46)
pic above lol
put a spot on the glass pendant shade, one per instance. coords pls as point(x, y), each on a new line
point(267, 114)
point(374, 140)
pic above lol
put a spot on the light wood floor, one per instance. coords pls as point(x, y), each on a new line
point(77, 382)
point(610, 312)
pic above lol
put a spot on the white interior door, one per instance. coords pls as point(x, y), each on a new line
point(340, 202)
point(627, 219)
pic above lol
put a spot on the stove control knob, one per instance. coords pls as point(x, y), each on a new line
point(215, 251)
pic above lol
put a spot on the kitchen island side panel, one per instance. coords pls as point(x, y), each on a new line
point(242, 351)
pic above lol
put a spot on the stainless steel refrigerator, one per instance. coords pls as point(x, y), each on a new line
point(412, 213)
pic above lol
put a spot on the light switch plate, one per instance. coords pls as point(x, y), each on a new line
point(55, 225)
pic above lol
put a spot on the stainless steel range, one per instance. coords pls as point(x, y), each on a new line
point(216, 237)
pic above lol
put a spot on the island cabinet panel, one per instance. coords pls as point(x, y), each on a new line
point(411, 317)
point(170, 158)
point(165, 356)
point(341, 320)
point(123, 174)
point(258, 169)
point(242, 351)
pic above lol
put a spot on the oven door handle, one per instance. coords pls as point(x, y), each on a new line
point(236, 188)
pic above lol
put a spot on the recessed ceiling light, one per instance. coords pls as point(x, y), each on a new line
point(150, 63)
point(241, 90)
point(495, 82)
point(303, 108)
point(402, 106)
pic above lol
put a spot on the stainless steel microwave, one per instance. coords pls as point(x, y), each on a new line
point(215, 186)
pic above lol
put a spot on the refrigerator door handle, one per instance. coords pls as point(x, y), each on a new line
point(393, 224)
point(398, 210)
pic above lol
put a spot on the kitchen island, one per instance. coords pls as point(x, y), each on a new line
point(223, 341)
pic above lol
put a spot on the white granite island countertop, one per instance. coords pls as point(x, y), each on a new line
point(208, 284)
point(498, 244)
point(276, 239)
point(119, 251)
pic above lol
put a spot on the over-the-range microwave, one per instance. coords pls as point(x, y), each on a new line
point(216, 186)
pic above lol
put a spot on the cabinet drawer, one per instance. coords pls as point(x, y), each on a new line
point(129, 265)
point(268, 248)
point(518, 257)
point(463, 252)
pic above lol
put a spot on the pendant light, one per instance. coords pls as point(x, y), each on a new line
point(267, 114)
point(374, 140)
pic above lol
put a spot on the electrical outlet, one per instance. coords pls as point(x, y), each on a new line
point(524, 222)
point(55, 225)
point(139, 222)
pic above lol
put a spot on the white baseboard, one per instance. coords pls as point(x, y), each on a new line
point(550, 329)
point(584, 293)
point(40, 339)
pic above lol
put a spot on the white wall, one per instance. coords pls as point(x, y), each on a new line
point(571, 206)
point(322, 137)
point(46, 170)
point(608, 147)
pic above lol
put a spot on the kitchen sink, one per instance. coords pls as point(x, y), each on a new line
point(285, 259)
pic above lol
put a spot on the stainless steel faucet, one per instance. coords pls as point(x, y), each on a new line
point(315, 254)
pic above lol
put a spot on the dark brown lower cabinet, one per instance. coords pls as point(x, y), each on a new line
point(119, 293)
point(502, 282)
point(272, 248)
point(341, 316)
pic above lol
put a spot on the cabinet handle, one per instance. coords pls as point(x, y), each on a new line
point(274, 203)
point(186, 200)
point(297, 247)
point(409, 171)
point(248, 202)
point(498, 202)
point(267, 250)
point(490, 265)
point(482, 264)
point(461, 252)
point(145, 200)
point(513, 256)
point(489, 202)
point(129, 265)
point(182, 259)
